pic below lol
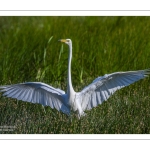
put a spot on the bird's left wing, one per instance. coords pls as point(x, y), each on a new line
point(103, 87)
point(37, 92)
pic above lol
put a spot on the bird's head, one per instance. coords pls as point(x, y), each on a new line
point(67, 41)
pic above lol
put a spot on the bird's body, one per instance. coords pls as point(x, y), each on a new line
point(92, 95)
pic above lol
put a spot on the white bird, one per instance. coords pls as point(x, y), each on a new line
point(92, 95)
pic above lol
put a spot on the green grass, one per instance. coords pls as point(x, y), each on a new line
point(30, 51)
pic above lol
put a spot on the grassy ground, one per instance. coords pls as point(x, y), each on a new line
point(29, 51)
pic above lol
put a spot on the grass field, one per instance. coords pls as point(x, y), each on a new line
point(30, 51)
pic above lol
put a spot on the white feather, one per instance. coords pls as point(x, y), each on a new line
point(37, 92)
point(91, 96)
point(105, 86)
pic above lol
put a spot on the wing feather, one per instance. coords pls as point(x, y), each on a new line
point(103, 87)
point(37, 92)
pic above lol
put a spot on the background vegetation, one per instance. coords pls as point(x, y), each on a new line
point(30, 51)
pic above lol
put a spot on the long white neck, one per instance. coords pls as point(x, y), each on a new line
point(69, 84)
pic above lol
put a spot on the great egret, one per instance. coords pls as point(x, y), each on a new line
point(92, 95)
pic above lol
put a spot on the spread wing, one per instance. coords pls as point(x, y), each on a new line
point(103, 87)
point(37, 92)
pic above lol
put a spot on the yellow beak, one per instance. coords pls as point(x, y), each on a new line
point(62, 40)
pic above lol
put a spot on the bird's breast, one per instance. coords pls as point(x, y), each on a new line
point(72, 101)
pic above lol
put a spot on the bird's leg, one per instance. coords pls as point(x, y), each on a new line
point(80, 115)
point(84, 114)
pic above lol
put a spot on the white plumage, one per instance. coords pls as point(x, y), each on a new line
point(91, 96)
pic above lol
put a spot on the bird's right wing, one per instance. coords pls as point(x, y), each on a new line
point(37, 92)
point(103, 87)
